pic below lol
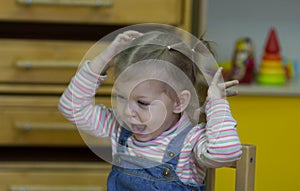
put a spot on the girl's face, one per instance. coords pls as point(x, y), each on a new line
point(145, 108)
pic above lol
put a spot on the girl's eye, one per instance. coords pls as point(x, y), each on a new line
point(143, 103)
point(119, 97)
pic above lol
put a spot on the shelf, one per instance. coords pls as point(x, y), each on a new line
point(292, 88)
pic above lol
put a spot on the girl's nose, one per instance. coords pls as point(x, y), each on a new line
point(129, 109)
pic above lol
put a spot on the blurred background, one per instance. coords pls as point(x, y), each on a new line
point(267, 108)
point(43, 41)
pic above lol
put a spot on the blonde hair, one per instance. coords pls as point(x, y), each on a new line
point(166, 47)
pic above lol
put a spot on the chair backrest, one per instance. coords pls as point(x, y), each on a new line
point(245, 171)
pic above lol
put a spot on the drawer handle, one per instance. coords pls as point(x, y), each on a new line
point(56, 188)
point(28, 126)
point(91, 3)
point(34, 64)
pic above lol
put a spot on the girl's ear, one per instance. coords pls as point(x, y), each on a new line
point(182, 102)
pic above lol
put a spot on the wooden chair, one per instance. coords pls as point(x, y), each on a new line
point(245, 171)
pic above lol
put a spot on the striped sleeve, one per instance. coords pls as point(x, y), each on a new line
point(219, 145)
point(77, 104)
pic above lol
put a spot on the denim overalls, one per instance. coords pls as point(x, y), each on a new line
point(140, 174)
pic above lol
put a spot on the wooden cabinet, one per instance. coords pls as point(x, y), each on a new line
point(42, 45)
point(94, 11)
point(33, 74)
point(41, 63)
point(35, 121)
point(46, 176)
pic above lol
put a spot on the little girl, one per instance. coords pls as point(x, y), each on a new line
point(160, 138)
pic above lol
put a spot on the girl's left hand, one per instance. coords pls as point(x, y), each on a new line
point(219, 89)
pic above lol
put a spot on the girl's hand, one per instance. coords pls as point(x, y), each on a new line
point(218, 89)
point(101, 62)
point(119, 42)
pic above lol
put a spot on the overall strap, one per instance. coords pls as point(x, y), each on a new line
point(173, 150)
point(122, 141)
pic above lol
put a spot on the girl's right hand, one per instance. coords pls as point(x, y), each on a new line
point(102, 62)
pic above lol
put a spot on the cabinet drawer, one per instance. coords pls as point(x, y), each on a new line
point(36, 121)
point(38, 61)
point(58, 176)
point(89, 11)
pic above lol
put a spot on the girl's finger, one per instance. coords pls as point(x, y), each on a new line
point(124, 37)
point(217, 76)
point(133, 34)
point(231, 83)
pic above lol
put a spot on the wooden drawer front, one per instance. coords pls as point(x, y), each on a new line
point(54, 177)
point(86, 11)
point(36, 61)
point(36, 121)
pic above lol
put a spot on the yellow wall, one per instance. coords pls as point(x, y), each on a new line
point(272, 124)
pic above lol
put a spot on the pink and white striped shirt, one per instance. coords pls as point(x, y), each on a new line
point(211, 145)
